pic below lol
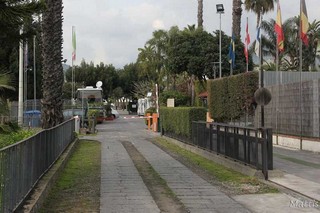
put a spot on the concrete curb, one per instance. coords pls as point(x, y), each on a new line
point(42, 188)
point(229, 163)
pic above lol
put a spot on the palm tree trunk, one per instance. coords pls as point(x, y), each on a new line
point(52, 67)
point(200, 13)
point(236, 17)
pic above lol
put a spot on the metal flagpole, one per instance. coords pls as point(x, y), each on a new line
point(247, 48)
point(261, 74)
point(20, 100)
point(277, 100)
point(300, 70)
point(34, 74)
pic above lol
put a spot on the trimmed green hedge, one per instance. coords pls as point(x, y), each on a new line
point(180, 99)
point(178, 120)
point(231, 97)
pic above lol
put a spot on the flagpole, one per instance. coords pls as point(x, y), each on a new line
point(278, 93)
point(20, 98)
point(247, 49)
point(300, 69)
point(261, 74)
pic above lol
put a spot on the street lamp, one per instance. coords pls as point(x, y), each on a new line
point(220, 10)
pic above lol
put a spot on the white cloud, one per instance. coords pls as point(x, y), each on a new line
point(112, 31)
point(158, 24)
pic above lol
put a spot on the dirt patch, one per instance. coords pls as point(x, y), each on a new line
point(161, 193)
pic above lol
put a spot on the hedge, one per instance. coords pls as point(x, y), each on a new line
point(232, 97)
point(178, 120)
point(180, 99)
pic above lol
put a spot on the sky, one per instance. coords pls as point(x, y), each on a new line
point(111, 31)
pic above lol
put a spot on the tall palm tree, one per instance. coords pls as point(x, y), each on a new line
point(259, 7)
point(52, 67)
point(5, 84)
point(236, 17)
point(200, 13)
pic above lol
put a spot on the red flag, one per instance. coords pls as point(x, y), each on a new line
point(304, 24)
point(278, 29)
point(247, 42)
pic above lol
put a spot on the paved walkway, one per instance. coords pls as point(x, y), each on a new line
point(123, 190)
point(195, 193)
point(302, 171)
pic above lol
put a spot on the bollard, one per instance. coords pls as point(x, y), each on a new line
point(155, 122)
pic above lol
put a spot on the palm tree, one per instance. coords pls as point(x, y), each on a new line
point(200, 13)
point(236, 17)
point(259, 7)
point(5, 84)
point(52, 67)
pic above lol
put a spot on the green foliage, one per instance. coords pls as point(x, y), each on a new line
point(180, 99)
point(89, 74)
point(108, 110)
point(178, 120)
point(199, 87)
point(231, 97)
point(14, 137)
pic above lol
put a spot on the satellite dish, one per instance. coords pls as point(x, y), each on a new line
point(99, 84)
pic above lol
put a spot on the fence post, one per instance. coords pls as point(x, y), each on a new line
point(269, 148)
point(218, 139)
point(264, 154)
point(210, 136)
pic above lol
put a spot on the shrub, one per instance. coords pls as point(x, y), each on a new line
point(178, 120)
point(15, 137)
point(180, 99)
point(231, 97)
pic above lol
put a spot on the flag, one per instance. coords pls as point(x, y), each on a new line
point(247, 42)
point(26, 59)
point(232, 55)
point(304, 24)
point(74, 43)
point(278, 29)
point(257, 46)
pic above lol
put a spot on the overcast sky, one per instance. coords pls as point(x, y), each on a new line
point(111, 31)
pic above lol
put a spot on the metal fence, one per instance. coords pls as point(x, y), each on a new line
point(287, 77)
point(24, 163)
point(251, 146)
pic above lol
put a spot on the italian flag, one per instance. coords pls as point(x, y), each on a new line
point(74, 43)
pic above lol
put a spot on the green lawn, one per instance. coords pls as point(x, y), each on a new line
point(78, 187)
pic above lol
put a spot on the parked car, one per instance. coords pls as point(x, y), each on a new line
point(114, 113)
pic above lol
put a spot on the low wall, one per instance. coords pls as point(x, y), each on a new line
point(306, 144)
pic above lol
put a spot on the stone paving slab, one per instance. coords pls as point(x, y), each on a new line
point(122, 188)
point(194, 192)
point(271, 203)
point(303, 186)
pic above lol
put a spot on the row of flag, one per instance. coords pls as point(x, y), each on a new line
point(304, 26)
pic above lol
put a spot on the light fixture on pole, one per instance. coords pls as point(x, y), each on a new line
point(220, 10)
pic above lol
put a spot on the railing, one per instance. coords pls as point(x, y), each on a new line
point(24, 163)
point(248, 145)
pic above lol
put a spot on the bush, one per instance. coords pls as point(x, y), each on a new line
point(15, 137)
point(178, 120)
point(180, 99)
point(231, 97)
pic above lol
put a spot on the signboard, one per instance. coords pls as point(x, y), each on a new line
point(170, 102)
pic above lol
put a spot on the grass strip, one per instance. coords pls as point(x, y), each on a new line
point(164, 197)
point(221, 173)
point(78, 187)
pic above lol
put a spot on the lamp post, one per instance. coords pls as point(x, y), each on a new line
point(220, 10)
